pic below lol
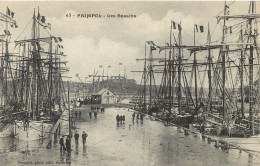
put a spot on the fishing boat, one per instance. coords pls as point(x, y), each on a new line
point(218, 94)
point(37, 78)
point(7, 112)
point(234, 76)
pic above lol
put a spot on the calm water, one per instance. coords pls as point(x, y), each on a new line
point(132, 143)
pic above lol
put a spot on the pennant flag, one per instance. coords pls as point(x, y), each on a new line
point(173, 25)
point(153, 48)
point(7, 32)
point(201, 29)
point(76, 75)
point(61, 46)
point(12, 14)
point(179, 27)
point(60, 39)
point(56, 39)
point(230, 29)
point(8, 11)
point(196, 26)
point(43, 19)
point(227, 9)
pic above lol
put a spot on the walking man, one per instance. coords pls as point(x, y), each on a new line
point(90, 114)
point(123, 118)
point(133, 116)
point(76, 136)
point(142, 117)
point(95, 113)
point(68, 147)
point(76, 114)
point(84, 136)
point(117, 119)
point(62, 146)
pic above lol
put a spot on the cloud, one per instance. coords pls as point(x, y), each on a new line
point(90, 42)
point(86, 54)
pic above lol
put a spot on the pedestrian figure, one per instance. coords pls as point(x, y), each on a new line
point(133, 115)
point(90, 114)
point(62, 146)
point(95, 114)
point(79, 113)
point(168, 118)
point(117, 118)
point(68, 147)
point(84, 136)
point(142, 117)
point(123, 118)
point(76, 136)
point(76, 114)
point(138, 115)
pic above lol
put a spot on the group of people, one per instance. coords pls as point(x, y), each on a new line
point(95, 110)
point(62, 145)
point(120, 119)
point(77, 113)
point(138, 116)
point(95, 114)
point(68, 142)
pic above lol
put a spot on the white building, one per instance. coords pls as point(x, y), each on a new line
point(104, 96)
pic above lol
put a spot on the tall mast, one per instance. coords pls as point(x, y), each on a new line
point(150, 75)
point(195, 70)
point(209, 72)
point(34, 68)
point(251, 63)
point(170, 68)
point(179, 72)
point(223, 63)
point(242, 74)
point(6, 68)
point(145, 80)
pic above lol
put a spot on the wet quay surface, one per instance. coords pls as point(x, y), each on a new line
point(132, 143)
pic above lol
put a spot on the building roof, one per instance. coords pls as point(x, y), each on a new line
point(103, 91)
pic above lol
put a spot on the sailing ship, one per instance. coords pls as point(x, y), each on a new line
point(6, 106)
point(235, 83)
point(38, 94)
point(229, 70)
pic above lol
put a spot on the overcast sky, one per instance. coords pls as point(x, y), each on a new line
point(109, 41)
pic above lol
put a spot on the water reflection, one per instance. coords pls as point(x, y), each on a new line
point(77, 149)
point(68, 158)
point(84, 150)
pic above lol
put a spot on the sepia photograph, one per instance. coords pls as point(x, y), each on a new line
point(129, 83)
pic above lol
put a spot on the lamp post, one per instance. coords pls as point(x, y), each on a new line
point(119, 83)
point(107, 75)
